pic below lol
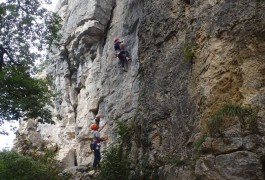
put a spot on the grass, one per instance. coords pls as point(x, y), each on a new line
point(198, 142)
point(247, 118)
point(241, 60)
point(188, 50)
point(177, 161)
point(197, 146)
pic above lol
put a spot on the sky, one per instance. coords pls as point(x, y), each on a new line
point(7, 141)
point(50, 7)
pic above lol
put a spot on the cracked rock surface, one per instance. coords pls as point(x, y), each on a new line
point(189, 59)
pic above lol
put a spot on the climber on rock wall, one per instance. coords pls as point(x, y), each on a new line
point(121, 53)
point(96, 143)
point(124, 57)
point(97, 119)
point(117, 43)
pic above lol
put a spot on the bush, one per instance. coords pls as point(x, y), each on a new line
point(125, 134)
point(47, 159)
point(17, 167)
point(114, 166)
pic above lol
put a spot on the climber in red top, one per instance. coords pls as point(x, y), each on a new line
point(117, 43)
point(121, 53)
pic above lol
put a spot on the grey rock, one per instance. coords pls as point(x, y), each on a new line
point(226, 145)
point(241, 165)
point(169, 97)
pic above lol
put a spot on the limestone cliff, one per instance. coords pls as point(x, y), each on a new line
point(189, 60)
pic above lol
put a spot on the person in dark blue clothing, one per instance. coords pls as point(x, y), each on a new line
point(96, 144)
point(117, 43)
point(124, 57)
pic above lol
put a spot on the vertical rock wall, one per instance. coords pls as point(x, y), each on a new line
point(87, 77)
point(189, 59)
point(179, 94)
point(229, 69)
point(166, 116)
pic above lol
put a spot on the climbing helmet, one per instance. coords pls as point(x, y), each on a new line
point(116, 39)
point(94, 126)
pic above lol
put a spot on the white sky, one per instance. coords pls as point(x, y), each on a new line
point(6, 141)
point(50, 7)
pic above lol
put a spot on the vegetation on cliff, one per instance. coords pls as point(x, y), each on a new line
point(115, 164)
point(220, 119)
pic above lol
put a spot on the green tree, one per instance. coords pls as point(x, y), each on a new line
point(15, 166)
point(27, 30)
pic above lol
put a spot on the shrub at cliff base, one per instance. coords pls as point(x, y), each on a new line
point(115, 163)
point(14, 166)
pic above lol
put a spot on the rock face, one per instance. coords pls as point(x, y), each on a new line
point(189, 59)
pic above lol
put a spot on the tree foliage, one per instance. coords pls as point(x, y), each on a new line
point(16, 166)
point(27, 30)
point(23, 96)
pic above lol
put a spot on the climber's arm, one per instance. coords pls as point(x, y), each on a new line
point(103, 126)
